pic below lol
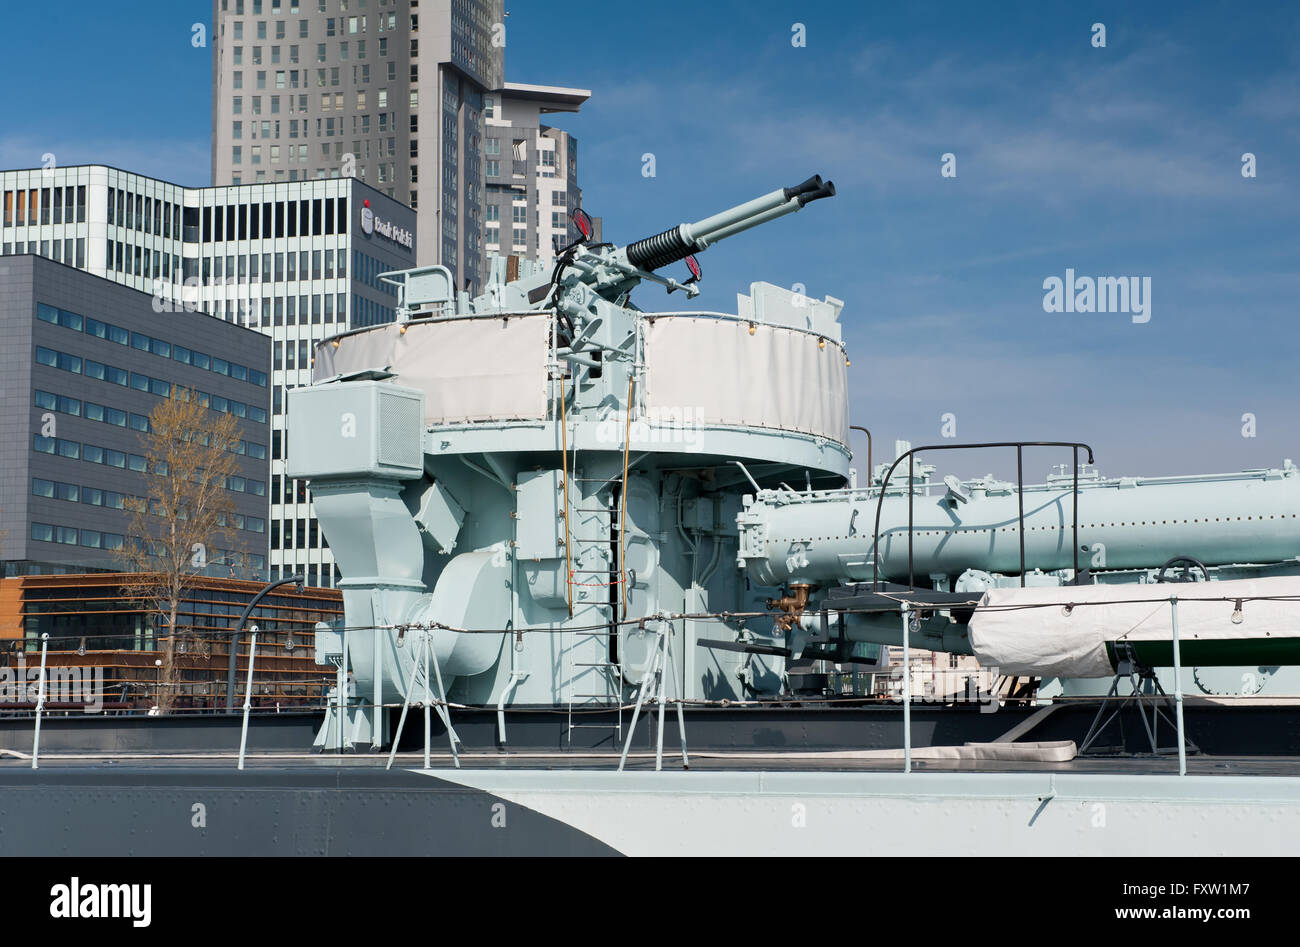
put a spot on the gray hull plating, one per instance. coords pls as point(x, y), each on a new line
point(327, 809)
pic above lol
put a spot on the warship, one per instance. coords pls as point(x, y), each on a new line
point(612, 583)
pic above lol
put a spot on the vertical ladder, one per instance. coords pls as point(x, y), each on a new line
point(593, 680)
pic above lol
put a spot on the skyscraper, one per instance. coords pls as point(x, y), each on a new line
point(388, 91)
point(530, 170)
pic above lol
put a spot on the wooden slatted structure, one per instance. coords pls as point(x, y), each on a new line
point(92, 623)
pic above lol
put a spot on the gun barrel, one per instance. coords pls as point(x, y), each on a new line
point(685, 239)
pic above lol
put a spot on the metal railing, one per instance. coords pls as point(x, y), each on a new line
point(910, 457)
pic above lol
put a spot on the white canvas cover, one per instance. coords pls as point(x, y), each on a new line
point(479, 369)
point(714, 370)
point(1045, 642)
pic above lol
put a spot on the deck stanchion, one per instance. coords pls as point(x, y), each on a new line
point(907, 690)
point(1178, 687)
point(427, 702)
point(248, 695)
point(343, 691)
point(40, 703)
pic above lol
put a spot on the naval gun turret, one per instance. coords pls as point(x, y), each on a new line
point(531, 479)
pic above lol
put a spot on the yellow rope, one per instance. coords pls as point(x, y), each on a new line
point(622, 520)
point(564, 482)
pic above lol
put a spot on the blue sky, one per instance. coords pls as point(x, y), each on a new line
point(1122, 161)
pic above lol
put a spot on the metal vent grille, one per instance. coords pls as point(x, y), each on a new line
point(399, 432)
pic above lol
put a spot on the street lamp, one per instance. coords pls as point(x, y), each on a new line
point(296, 579)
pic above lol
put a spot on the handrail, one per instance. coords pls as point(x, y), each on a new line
point(910, 457)
point(859, 427)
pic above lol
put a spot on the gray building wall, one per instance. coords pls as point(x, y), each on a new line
point(25, 283)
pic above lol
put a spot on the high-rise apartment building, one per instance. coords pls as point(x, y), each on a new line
point(297, 261)
point(531, 170)
point(388, 91)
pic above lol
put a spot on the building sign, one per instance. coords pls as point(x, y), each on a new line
point(370, 225)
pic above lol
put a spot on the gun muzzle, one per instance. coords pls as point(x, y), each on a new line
point(685, 239)
point(814, 183)
point(815, 194)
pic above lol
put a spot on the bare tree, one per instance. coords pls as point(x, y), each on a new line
point(185, 512)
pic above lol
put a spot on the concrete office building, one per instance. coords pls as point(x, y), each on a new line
point(390, 91)
point(297, 261)
point(531, 170)
point(84, 364)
